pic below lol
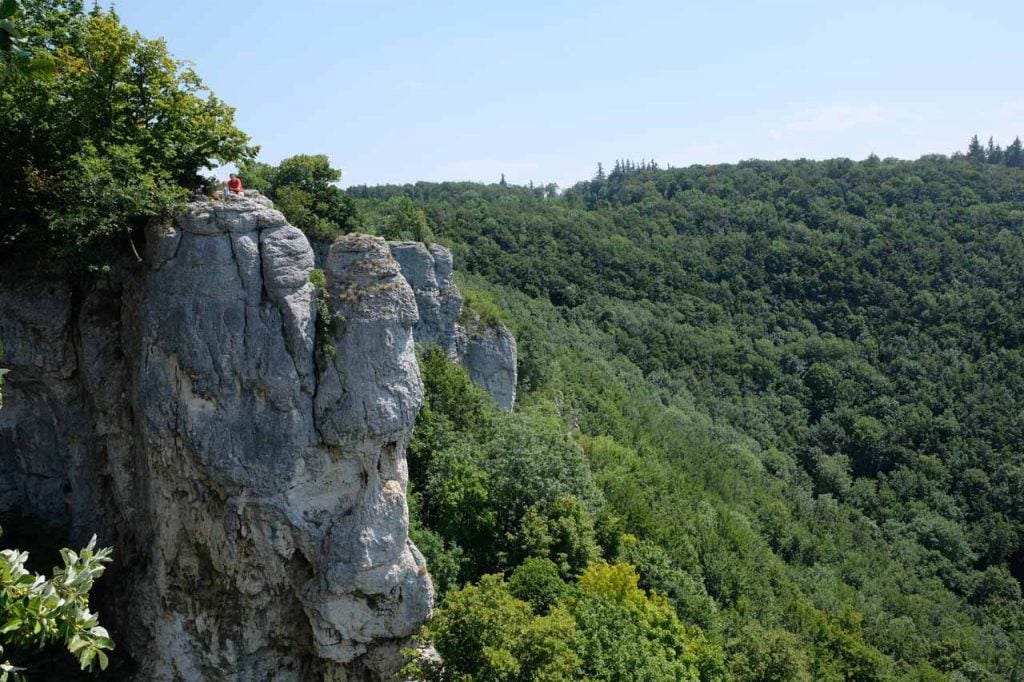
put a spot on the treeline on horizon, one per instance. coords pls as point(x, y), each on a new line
point(1012, 156)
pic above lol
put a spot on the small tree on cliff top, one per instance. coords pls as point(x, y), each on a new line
point(304, 188)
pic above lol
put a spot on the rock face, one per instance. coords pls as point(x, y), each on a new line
point(489, 356)
point(488, 352)
point(253, 488)
point(429, 272)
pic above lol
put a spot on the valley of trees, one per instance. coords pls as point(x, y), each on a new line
point(769, 425)
point(788, 393)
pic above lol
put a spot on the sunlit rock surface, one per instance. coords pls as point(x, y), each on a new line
point(252, 486)
point(488, 352)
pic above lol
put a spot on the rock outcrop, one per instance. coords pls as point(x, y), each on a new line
point(487, 351)
point(489, 356)
point(253, 487)
point(428, 269)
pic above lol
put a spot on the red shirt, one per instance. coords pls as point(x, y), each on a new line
point(235, 185)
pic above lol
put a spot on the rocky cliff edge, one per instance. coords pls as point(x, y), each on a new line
point(487, 351)
point(252, 486)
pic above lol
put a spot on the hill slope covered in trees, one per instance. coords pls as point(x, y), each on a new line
point(794, 396)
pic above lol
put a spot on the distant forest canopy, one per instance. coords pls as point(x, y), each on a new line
point(796, 386)
point(1012, 156)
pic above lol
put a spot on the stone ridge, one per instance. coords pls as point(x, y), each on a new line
point(428, 269)
point(488, 352)
point(254, 490)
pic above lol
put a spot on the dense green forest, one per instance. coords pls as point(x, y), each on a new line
point(789, 393)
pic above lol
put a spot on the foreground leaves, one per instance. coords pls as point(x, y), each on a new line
point(36, 611)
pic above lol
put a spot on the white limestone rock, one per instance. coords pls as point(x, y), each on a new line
point(488, 352)
point(253, 490)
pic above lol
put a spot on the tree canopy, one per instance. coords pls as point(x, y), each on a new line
point(113, 138)
point(602, 627)
point(304, 188)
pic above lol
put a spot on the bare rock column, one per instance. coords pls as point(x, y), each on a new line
point(487, 351)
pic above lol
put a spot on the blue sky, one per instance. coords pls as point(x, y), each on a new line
point(542, 91)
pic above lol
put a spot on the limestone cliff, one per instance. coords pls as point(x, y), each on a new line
point(428, 269)
point(252, 486)
point(488, 352)
point(489, 356)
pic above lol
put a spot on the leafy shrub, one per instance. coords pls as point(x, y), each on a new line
point(326, 321)
point(478, 306)
point(35, 610)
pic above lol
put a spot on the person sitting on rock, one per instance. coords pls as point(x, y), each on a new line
point(234, 186)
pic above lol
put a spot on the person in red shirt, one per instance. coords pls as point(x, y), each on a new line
point(235, 185)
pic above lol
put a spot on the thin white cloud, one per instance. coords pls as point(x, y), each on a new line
point(831, 119)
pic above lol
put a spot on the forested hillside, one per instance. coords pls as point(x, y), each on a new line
point(789, 393)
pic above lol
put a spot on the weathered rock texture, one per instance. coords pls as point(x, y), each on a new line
point(428, 269)
point(254, 490)
point(488, 352)
point(489, 356)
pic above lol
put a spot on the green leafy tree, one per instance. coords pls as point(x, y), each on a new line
point(559, 530)
point(539, 582)
point(115, 139)
point(605, 628)
point(451, 395)
point(304, 188)
point(658, 573)
point(767, 655)
point(17, 59)
point(530, 461)
point(36, 611)
point(401, 219)
point(458, 503)
point(443, 556)
point(824, 383)
point(627, 634)
point(484, 634)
